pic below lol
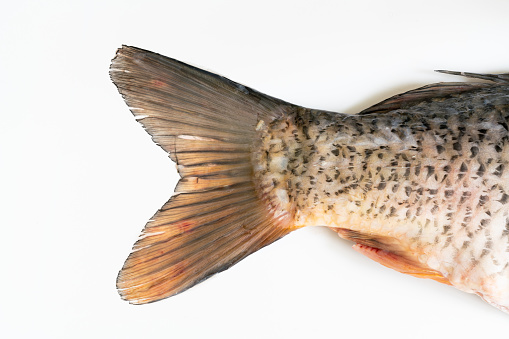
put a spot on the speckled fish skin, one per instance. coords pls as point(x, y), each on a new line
point(429, 182)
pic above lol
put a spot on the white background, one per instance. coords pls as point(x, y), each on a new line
point(79, 177)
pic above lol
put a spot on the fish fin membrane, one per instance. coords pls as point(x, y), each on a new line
point(207, 124)
point(415, 96)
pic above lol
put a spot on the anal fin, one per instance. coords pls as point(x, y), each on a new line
point(389, 252)
point(399, 263)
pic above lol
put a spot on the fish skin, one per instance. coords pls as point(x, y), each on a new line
point(433, 178)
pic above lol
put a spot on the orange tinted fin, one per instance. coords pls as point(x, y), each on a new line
point(208, 125)
point(399, 264)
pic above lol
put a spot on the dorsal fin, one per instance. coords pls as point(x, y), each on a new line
point(415, 96)
point(501, 78)
point(438, 90)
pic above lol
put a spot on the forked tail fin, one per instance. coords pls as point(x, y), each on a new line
point(207, 125)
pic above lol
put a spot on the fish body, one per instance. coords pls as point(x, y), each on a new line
point(420, 182)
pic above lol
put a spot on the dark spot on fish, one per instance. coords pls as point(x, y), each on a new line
point(463, 167)
point(395, 187)
point(447, 168)
point(474, 150)
point(506, 230)
point(407, 172)
point(457, 146)
point(499, 170)
point(489, 244)
point(482, 134)
point(336, 175)
point(448, 193)
point(417, 169)
point(381, 185)
point(481, 170)
point(408, 190)
point(380, 155)
point(335, 152)
point(446, 229)
point(483, 199)
point(305, 130)
point(504, 199)
point(440, 149)
point(392, 212)
point(431, 170)
point(434, 209)
point(498, 148)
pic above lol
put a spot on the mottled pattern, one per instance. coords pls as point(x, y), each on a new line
point(434, 177)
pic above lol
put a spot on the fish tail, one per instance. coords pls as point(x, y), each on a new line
point(207, 124)
point(501, 78)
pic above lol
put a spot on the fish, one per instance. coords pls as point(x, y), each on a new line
point(418, 182)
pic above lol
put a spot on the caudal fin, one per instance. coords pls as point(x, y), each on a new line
point(207, 125)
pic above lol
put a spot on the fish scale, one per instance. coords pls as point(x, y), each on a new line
point(432, 177)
